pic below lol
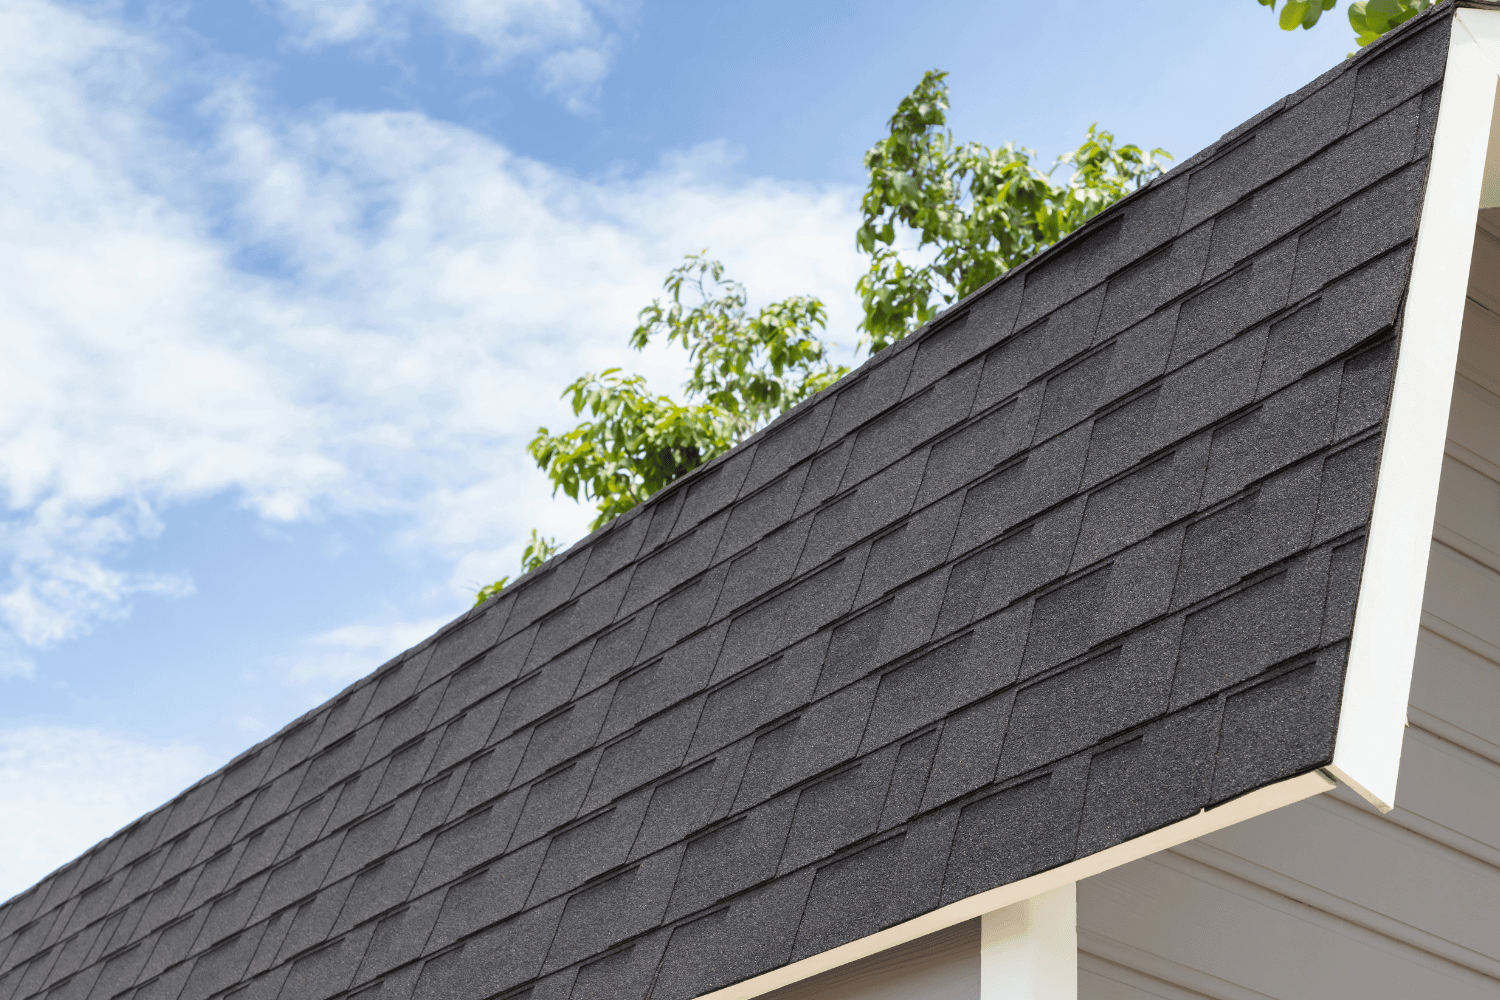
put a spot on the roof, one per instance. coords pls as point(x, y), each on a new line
point(1075, 562)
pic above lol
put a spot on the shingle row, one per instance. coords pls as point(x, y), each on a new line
point(1077, 562)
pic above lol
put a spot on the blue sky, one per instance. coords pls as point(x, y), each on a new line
point(286, 285)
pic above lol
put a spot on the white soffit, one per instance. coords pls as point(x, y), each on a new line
point(1367, 754)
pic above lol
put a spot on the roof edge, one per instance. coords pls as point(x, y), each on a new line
point(1263, 800)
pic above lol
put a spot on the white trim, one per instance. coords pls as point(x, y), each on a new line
point(1029, 950)
point(1367, 754)
point(1262, 800)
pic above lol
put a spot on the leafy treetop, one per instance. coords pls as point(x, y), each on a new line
point(982, 210)
point(1369, 18)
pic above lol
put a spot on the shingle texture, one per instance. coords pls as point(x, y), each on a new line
point(1073, 563)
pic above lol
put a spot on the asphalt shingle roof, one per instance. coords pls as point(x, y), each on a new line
point(1075, 562)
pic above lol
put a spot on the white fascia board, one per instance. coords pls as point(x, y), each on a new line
point(1377, 685)
point(1262, 800)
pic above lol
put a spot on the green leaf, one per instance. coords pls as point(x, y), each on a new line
point(1293, 13)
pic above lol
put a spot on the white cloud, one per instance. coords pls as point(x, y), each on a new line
point(66, 789)
point(571, 41)
point(332, 659)
point(429, 293)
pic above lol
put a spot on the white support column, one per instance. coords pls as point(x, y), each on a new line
point(1029, 950)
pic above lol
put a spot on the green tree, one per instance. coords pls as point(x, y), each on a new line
point(981, 210)
point(537, 551)
point(972, 211)
point(1369, 18)
point(746, 368)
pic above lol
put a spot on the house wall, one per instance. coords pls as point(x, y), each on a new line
point(1328, 898)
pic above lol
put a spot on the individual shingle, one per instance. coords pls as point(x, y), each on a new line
point(847, 900)
point(1354, 309)
point(907, 425)
point(1038, 348)
point(1365, 390)
point(683, 612)
point(1237, 636)
point(856, 514)
point(615, 651)
point(756, 697)
point(486, 896)
point(621, 974)
point(824, 472)
point(916, 545)
point(967, 752)
point(491, 962)
point(924, 689)
point(826, 734)
point(334, 764)
point(876, 387)
point(327, 971)
point(1234, 302)
point(582, 617)
point(1083, 704)
point(296, 878)
point(172, 944)
point(763, 511)
point(614, 549)
point(383, 886)
point(752, 935)
point(1293, 714)
point(1014, 833)
point(1401, 71)
point(954, 342)
point(1248, 533)
point(982, 444)
point(643, 754)
point(908, 779)
point(590, 847)
point(471, 639)
point(763, 566)
point(679, 673)
point(1142, 501)
point(732, 856)
point(541, 692)
point(1022, 489)
point(613, 908)
point(1288, 426)
point(566, 732)
point(554, 799)
point(545, 590)
point(1346, 564)
point(836, 810)
point(791, 614)
point(1155, 777)
point(471, 841)
point(669, 565)
point(1154, 280)
point(852, 648)
point(680, 805)
point(787, 442)
point(223, 965)
point(712, 491)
